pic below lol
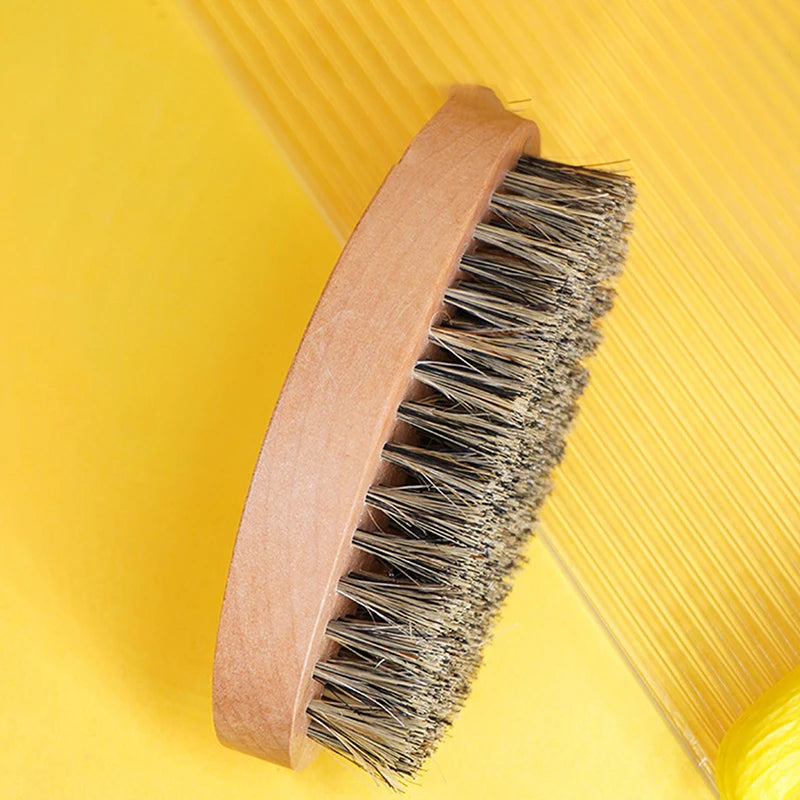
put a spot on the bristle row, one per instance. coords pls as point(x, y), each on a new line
point(502, 390)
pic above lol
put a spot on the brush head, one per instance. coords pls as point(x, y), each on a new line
point(412, 444)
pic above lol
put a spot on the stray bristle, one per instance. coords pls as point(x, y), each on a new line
point(502, 386)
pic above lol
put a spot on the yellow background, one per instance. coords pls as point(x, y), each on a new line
point(158, 263)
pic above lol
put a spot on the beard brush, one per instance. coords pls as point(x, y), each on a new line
point(412, 444)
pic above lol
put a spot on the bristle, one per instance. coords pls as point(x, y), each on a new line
point(502, 389)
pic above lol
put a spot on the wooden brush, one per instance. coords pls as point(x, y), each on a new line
point(412, 442)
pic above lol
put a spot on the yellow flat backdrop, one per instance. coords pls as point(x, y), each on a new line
point(158, 261)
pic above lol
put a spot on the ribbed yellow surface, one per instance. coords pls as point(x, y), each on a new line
point(676, 509)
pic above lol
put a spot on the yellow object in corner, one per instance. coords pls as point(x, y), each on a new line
point(759, 758)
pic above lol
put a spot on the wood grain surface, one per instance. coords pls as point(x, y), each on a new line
point(335, 412)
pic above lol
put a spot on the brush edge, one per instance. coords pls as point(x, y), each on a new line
point(271, 631)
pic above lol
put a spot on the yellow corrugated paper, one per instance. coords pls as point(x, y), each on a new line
point(677, 509)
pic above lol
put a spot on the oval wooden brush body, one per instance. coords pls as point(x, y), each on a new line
point(335, 412)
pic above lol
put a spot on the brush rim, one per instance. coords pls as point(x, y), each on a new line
point(351, 372)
